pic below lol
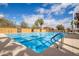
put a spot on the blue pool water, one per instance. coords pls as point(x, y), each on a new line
point(37, 41)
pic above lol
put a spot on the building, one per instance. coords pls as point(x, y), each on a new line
point(77, 21)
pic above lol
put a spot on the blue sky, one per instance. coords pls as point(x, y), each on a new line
point(52, 13)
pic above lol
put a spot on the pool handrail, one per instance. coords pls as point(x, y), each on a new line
point(55, 36)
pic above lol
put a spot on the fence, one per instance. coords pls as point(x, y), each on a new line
point(8, 30)
point(23, 30)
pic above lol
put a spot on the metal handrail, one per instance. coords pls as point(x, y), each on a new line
point(55, 36)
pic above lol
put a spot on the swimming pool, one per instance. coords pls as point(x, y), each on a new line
point(37, 41)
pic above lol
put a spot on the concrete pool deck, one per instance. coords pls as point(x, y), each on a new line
point(11, 48)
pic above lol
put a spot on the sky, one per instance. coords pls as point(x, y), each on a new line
point(52, 13)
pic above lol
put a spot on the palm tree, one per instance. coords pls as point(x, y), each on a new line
point(33, 27)
point(36, 24)
point(39, 23)
point(74, 22)
point(72, 25)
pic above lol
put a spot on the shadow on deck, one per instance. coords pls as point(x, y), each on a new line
point(48, 52)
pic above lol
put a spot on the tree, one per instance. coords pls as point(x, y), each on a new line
point(60, 27)
point(6, 23)
point(34, 26)
point(68, 30)
point(72, 24)
point(24, 25)
point(39, 23)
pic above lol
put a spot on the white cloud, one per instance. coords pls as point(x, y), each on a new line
point(31, 19)
point(53, 22)
point(70, 12)
point(65, 22)
point(47, 22)
point(59, 8)
point(14, 17)
point(76, 9)
point(56, 9)
point(1, 15)
point(43, 11)
point(50, 23)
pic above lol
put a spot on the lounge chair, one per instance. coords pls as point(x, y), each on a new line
point(3, 44)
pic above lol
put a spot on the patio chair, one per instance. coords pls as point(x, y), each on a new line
point(3, 44)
